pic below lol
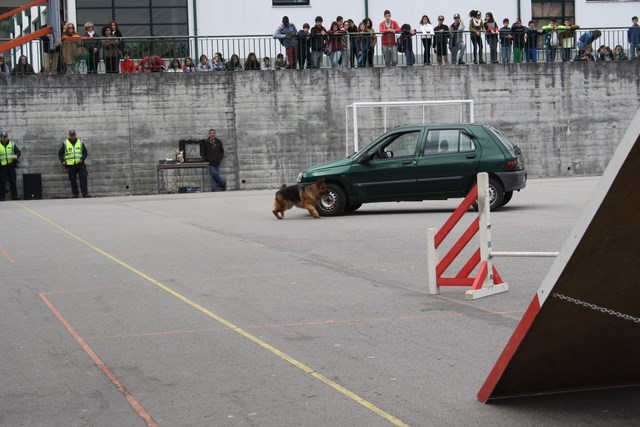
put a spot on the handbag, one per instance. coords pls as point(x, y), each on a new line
point(327, 48)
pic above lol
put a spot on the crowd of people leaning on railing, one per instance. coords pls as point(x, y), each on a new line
point(346, 44)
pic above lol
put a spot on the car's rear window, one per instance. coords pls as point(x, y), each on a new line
point(504, 140)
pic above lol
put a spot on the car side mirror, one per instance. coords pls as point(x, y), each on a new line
point(364, 159)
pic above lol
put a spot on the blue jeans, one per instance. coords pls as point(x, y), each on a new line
point(505, 53)
point(551, 54)
point(531, 53)
point(335, 58)
point(411, 58)
point(216, 179)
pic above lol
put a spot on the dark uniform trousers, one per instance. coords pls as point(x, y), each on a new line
point(8, 172)
point(78, 170)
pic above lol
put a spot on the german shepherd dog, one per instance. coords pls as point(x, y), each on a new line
point(302, 196)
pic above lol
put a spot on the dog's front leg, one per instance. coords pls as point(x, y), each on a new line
point(312, 210)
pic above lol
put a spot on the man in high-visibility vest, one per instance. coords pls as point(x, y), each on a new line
point(9, 154)
point(72, 155)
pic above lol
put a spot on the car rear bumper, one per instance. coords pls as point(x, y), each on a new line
point(513, 181)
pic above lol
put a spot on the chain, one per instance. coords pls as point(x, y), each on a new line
point(597, 308)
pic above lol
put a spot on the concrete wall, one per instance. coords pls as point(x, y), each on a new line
point(567, 118)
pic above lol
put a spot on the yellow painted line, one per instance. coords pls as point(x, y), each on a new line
point(353, 396)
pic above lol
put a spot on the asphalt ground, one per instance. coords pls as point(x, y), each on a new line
point(204, 310)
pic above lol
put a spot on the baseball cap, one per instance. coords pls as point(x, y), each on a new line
point(3, 134)
point(456, 16)
point(72, 132)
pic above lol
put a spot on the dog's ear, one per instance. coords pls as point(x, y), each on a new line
point(320, 180)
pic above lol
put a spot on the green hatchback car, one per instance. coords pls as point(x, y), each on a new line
point(423, 162)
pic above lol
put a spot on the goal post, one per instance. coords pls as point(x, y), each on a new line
point(465, 114)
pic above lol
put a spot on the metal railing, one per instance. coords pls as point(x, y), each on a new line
point(74, 57)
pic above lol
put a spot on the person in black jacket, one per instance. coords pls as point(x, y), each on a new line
point(213, 152)
point(318, 39)
point(441, 41)
point(22, 67)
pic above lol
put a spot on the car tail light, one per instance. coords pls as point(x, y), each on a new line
point(512, 165)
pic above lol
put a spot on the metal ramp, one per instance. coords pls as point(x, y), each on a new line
point(582, 329)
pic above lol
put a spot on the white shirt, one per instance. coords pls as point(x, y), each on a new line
point(427, 30)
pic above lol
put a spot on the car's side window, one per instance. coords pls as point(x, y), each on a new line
point(398, 146)
point(446, 141)
point(466, 143)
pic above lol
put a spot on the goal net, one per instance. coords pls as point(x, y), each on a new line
point(367, 120)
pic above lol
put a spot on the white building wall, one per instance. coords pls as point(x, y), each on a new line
point(601, 14)
point(259, 17)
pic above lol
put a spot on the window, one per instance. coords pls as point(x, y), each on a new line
point(403, 146)
point(543, 10)
point(137, 18)
point(396, 146)
point(466, 143)
point(448, 141)
point(290, 2)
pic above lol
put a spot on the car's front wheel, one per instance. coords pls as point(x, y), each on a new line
point(332, 202)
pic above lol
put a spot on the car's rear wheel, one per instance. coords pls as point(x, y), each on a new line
point(496, 195)
point(507, 197)
point(352, 207)
point(332, 202)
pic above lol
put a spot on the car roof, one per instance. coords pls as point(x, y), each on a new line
point(437, 126)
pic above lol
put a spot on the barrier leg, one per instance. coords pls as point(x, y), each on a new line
point(486, 274)
point(432, 261)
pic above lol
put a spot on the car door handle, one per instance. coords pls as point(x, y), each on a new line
point(471, 156)
point(407, 162)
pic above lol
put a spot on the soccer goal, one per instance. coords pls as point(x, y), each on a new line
point(367, 120)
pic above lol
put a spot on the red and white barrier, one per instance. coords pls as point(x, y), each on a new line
point(487, 281)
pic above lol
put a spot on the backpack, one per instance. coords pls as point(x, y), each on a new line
point(400, 44)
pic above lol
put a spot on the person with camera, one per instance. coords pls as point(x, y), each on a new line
point(9, 154)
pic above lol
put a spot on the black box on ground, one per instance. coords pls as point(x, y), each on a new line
point(32, 185)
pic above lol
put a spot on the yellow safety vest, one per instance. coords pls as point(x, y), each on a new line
point(73, 153)
point(6, 154)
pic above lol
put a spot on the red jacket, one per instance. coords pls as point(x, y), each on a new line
point(128, 66)
point(389, 38)
point(154, 65)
